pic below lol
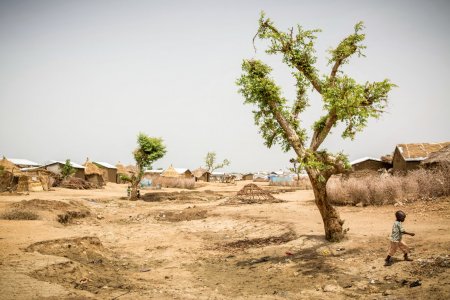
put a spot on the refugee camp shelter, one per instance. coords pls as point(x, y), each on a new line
point(438, 159)
point(177, 173)
point(201, 174)
point(369, 164)
point(24, 180)
point(109, 171)
point(248, 176)
point(93, 173)
point(55, 166)
point(408, 156)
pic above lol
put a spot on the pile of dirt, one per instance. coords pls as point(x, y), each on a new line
point(39, 204)
point(78, 184)
point(252, 194)
point(182, 196)
point(65, 212)
point(91, 266)
point(188, 214)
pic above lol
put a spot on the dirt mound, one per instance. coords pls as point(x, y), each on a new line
point(65, 212)
point(78, 184)
point(252, 194)
point(188, 214)
point(261, 242)
point(91, 266)
point(182, 196)
point(38, 204)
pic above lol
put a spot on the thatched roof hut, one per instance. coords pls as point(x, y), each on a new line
point(201, 174)
point(93, 173)
point(91, 169)
point(177, 172)
point(438, 159)
point(9, 166)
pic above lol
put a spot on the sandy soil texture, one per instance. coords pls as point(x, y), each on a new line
point(174, 244)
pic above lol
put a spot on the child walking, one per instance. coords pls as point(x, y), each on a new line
point(396, 239)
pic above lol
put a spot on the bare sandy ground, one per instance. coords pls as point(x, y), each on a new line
point(191, 245)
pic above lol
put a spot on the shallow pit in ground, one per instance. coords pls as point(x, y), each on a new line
point(262, 241)
point(183, 196)
point(90, 267)
point(187, 214)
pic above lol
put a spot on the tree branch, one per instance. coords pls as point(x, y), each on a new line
point(292, 136)
point(287, 49)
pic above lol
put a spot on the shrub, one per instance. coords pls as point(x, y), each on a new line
point(19, 215)
point(68, 216)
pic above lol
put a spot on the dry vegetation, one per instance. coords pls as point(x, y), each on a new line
point(386, 189)
point(180, 183)
point(303, 183)
point(19, 215)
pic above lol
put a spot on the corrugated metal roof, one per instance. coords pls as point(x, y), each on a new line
point(105, 164)
point(356, 161)
point(419, 151)
point(21, 161)
point(74, 165)
point(181, 170)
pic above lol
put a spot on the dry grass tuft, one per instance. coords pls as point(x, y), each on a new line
point(19, 215)
point(386, 189)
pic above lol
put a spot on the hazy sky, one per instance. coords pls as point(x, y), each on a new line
point(82, 78)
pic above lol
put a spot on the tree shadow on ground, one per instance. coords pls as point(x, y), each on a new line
point(309, 260)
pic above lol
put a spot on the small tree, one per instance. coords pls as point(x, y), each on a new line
point(67, 169)
point(296, 167)
point(344, 101)
point(148, 151)
point(210, 161)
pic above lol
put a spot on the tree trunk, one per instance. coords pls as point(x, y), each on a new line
point(331, 221)
point(134, 188)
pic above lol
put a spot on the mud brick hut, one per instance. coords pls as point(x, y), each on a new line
point(201, 174)
point(438, 160)
point(93, 173)
point(248, 176)
point(409, 156)
point(369, 164)
point(177, 173)
point(55, 166)
point(109, 171)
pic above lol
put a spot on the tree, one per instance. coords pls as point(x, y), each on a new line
point(296, 167)
point(345, 102)
point(148, 151)
point(210, 161)
point(67, 169)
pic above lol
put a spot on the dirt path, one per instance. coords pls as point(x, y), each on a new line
point(191, 245)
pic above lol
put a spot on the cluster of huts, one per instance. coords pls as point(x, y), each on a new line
point(407, 157)
point(25, 175)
